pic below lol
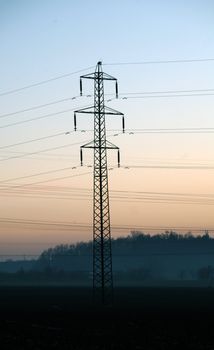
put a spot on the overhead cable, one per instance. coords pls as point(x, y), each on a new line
point(42, 82)
point(159, 62)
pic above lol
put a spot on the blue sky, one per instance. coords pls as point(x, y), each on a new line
point(44, 39)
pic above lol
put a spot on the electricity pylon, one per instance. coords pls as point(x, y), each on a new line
point(102, 254)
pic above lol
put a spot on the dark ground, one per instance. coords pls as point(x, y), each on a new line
point(142, 318)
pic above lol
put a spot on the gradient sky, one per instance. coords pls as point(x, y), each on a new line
point(45, 39)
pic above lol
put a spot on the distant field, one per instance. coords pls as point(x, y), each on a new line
point(40, 298)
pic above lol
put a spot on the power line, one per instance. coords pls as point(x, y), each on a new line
point(164, 130)
point(160, 62)
point(112, 64)
point(122, 199)
point(40, 151)
point(38, 174)
point(124, 167)
point(43, 150)
point(166, 96)
point(86, 225)
point(165, 92)
point(121, 94)
point(41, 117)
point(167, 193)
point(43, 222)
point(50, 180)
point(37, 107)
point(48, 156)
point(44, 157)
point(37, 139)
point(192, 167)
point(171, 131)
point(37, 118)
point(43, 82)
point(123, 196)
point(68, 189)
point(129, 131)
point(66, 111)
point(87, 191)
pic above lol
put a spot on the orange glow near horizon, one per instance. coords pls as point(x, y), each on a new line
point(136, 204)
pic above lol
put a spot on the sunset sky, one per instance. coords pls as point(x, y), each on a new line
point(166, 176)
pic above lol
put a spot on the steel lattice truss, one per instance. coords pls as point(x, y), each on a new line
point(102, 254)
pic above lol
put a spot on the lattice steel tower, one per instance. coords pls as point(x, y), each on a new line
point(102, 255)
